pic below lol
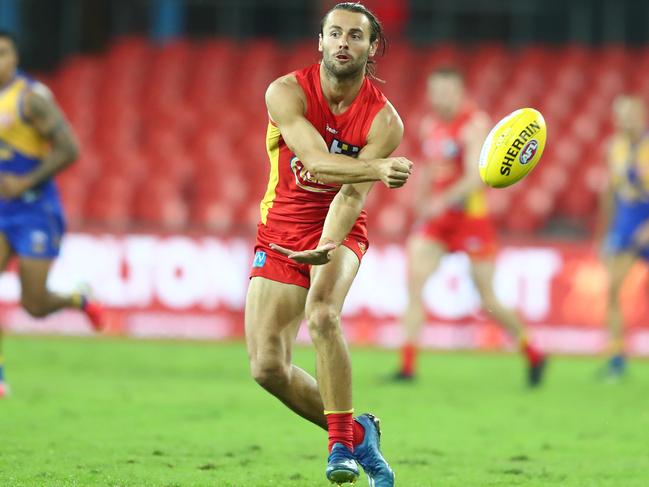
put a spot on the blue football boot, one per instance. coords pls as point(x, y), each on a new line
point(341, 466)
point(535, 372)
point(615, 368)
point(368, 453)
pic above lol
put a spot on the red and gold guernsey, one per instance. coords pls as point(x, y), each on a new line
point(293, 194)
point(465, 226)
point(295, 205)
point(443, 149)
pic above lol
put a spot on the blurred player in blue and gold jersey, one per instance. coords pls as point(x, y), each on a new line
point(625, 211)
point(35, 143)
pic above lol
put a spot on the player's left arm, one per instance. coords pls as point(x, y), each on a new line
point(42, 112)
point(383, 138)
point(472, 137)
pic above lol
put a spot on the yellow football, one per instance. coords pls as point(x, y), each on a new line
point(513, 148)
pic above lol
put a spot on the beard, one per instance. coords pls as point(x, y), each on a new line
point(351, 69)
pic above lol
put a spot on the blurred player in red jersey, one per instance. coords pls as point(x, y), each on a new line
point(330, 136)
point(452, 214)
point(36, 142)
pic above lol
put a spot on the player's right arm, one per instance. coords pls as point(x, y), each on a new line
point(286, 107)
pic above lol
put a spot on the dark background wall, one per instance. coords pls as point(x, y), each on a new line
point(51, 29)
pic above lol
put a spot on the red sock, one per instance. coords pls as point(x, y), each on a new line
point(408, 356)
point(341, 429)
point(359, 433)
point(533, 354)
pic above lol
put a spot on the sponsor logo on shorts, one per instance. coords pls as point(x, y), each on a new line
point(362, 247)
point(260, 259)
point(528, 152)
point(38, 241)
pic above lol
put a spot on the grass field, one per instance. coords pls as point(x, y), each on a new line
point(129, 413)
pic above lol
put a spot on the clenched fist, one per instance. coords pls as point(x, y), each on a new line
point(394, 171)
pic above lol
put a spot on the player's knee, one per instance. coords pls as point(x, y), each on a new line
point(34, 307)
point(269, 372)
point(322, 319)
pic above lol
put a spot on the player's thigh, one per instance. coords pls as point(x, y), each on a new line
point(273, 314)
point(33, 278)
point(5, 252)
point(424, 257)
point(330, 283)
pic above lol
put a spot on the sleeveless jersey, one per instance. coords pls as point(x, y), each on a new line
point(629, 165)
point(293, 195)
point(442, 148)
point(21, 148)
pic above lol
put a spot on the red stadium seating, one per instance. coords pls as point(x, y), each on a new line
point(172, 138)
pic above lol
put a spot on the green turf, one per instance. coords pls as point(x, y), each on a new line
point(127, 413)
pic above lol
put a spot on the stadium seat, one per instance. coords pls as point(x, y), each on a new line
point(189, 135)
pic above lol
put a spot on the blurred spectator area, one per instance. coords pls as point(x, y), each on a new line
point(173, 136)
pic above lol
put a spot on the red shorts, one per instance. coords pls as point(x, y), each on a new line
point(276, 267)
point(458, 231)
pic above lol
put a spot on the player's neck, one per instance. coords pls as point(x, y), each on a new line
point(5, 80)
point(448, 115)
point(339, 93)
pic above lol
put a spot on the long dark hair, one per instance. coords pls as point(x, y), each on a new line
point(375, 34)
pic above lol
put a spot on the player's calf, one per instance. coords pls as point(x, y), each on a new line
point(35, 307)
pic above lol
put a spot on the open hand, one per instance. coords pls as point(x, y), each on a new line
point(318, 256)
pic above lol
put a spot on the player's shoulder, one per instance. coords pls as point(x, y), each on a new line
point(389, 116)
point(283, 89)
point(35, 87)
point(472, 114)
point(474, 121)
point(480, 117)
point(387, 123)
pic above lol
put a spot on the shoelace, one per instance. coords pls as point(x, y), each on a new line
point(338, 454)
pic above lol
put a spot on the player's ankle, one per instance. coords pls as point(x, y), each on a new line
point(340, 425)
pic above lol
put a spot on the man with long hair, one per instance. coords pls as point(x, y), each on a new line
point(330, 136)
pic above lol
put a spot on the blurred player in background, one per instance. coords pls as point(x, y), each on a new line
point(452, 216)
point(330, 136)
point(625, 212)
point(35, 143)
